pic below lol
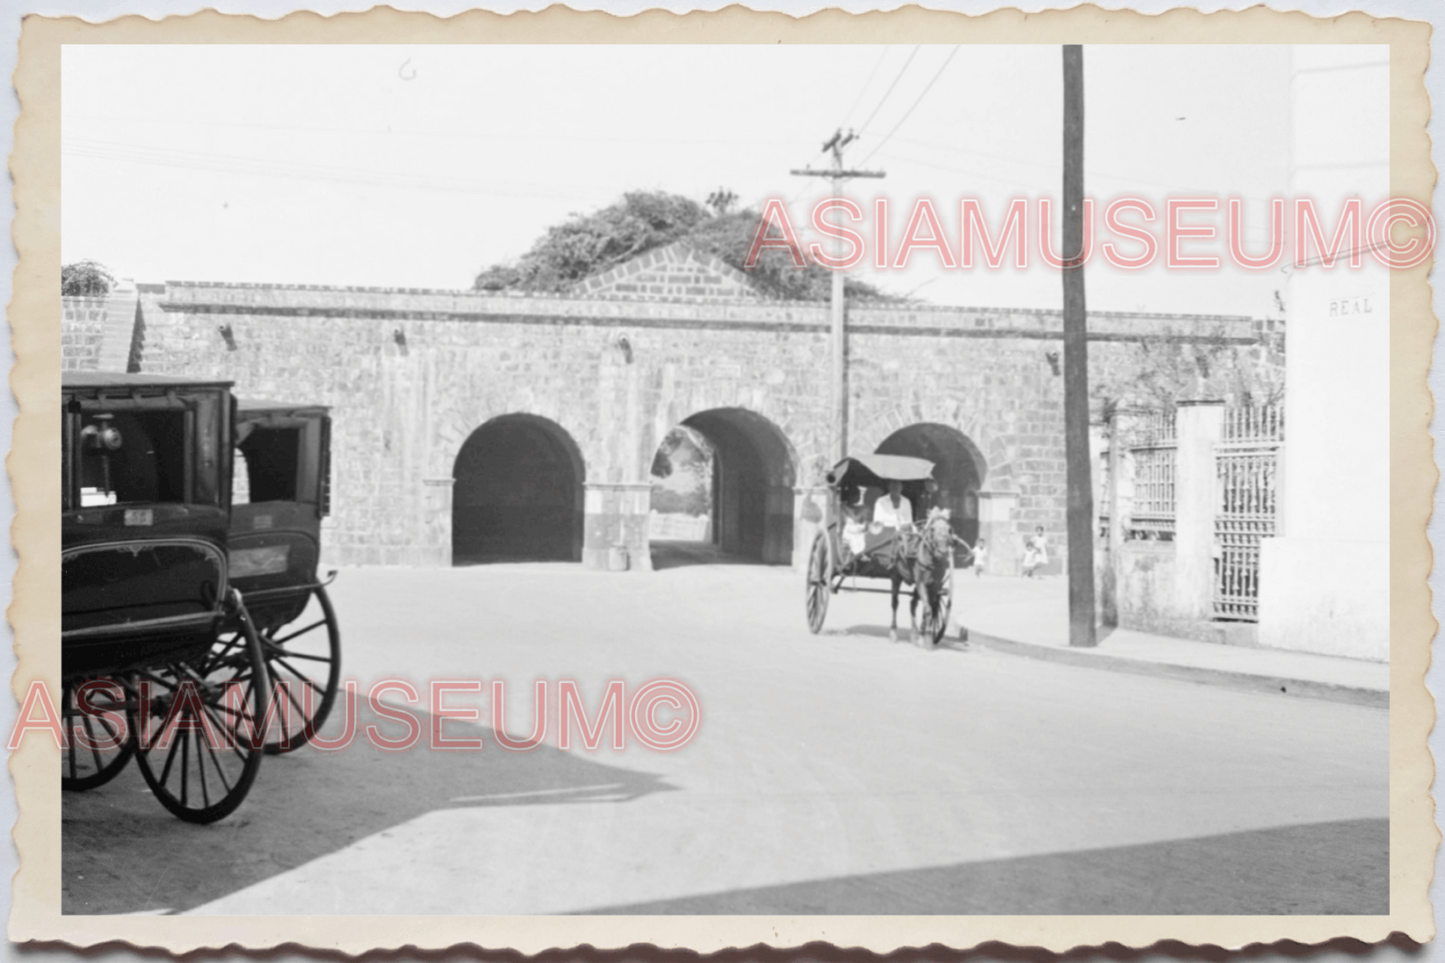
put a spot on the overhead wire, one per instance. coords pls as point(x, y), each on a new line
point(889, 92)
point(918, 100)
point(864, 89)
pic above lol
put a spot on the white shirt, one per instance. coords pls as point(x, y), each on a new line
point(885, 514)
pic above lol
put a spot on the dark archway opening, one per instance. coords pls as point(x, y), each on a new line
point(958, 467)
point(751, 491)
point(517, 493)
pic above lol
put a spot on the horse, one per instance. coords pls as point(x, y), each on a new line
point(921, 559)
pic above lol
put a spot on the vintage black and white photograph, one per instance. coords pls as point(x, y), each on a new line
point(773, 480)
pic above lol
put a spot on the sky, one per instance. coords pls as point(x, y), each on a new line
point(418, 166)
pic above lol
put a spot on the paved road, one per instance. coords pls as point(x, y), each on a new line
point(831, 774)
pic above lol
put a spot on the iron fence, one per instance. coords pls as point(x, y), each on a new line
point(1153, 453)
point(1246, 469)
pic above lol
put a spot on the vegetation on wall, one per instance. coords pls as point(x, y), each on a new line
point(643, 220)
point(85, 279)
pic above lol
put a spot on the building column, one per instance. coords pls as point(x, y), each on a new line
point(436, 542)
point(1324, 581)
point(998, 528)
point(1198, 427)
point(809, 514)
point(778, 519)
point(616, 516)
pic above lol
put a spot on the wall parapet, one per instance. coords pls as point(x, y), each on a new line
point(489, 307)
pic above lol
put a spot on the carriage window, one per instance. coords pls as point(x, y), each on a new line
point(240, 479)
point(129, 457)
point(268, 461)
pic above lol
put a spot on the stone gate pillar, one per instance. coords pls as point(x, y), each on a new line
point(436, 531)
point(615, 515)
point(777, 521)
point(1198, 428)
point(808, 515)
point(999, 530)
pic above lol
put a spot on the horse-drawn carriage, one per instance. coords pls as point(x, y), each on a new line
point(161, 657)
point(849, 545)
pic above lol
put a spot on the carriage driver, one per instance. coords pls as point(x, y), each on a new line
point(893, 510)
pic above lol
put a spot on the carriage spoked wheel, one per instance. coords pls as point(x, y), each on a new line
point(820, 577)
point(98, 743)
point(196, 723)
point(303, 658)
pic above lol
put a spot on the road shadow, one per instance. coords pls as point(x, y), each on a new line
point(504, 558)
point(122, 853)
point(668, 554)
point(1336, 868)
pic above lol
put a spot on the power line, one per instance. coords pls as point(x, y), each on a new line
point(919, 100)
point(889, 91)
point(864, 89)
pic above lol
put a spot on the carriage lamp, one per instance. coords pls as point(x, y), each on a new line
point(102, 436)
point(228, 336)
point(399, 336)
point(1052, 357)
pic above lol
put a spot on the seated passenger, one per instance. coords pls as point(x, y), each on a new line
point(855, 526)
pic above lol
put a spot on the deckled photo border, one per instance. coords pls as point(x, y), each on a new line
point(35, 318)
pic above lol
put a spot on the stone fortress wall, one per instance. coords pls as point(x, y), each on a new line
point(432, 391)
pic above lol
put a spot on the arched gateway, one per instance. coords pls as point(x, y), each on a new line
point(958, 467)
point(754, 471)
point(517, 494)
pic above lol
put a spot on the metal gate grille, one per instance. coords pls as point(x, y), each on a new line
point(1246, 465)
point(1154, 459)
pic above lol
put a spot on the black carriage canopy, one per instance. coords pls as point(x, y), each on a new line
point(283, 447)
point(876, 471)
point(135, 438)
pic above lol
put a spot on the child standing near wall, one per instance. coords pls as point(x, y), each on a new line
point(1036, 552)
point(980, 557)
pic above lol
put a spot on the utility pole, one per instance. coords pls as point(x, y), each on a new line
point(837, 175)
point(1076, 362)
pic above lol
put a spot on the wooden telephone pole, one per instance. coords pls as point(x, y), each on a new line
point(1076, 362)
point(839, 381)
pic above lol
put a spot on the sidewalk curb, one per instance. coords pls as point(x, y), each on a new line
point(1300, 688)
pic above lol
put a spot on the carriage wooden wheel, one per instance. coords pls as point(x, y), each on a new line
point(196, 724)
point(820, 577)
point(303, 663)
point(98, 740)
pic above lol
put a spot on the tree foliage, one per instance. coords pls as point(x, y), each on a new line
point(1159, 371)
point(85, 279)
point(643, 220)
point(682, 474)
